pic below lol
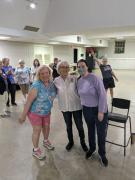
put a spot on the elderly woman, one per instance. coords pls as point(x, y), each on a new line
point(93, 99)
point(108, 75)
point(22, 74)
point(9, 72)
point(38, 108)
point(69, 103)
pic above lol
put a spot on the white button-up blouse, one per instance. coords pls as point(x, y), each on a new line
point(68, 98)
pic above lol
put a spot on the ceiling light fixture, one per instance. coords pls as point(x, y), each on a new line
point(32, 5)
point(4, 37)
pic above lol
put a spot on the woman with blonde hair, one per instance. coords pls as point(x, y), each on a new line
point(38, 108)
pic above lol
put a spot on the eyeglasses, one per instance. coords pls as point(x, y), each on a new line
point(64, 67)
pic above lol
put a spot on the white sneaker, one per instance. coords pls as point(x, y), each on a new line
point(4, 115)
point(48, 145)
point(38, 154)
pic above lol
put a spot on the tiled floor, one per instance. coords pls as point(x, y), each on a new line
point(17, 163)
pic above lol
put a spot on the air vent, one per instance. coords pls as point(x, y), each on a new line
point(31, 28)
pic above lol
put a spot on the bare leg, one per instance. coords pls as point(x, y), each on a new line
point(111, 92)
point(46, 131)
point(47, 144)
point(36, 135)
point(24, 95)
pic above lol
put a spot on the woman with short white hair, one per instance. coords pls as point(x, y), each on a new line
point(38, 108)
point(22, 74)
point(69, 103)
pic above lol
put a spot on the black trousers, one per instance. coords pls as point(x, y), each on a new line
point(12, 91)
point(93, 124)
point(79, 124)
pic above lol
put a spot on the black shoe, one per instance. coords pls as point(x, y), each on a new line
point(8, 105)
point(69, 146)
point(104, 161)
point(89, 154)
point(14, 104)
point(84, 146)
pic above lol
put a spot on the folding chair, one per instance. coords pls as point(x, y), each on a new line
point(121, 119)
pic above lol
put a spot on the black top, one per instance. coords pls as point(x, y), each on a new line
point(2, 85)
point(90, 62)
point(106, 71)
point(55, 73)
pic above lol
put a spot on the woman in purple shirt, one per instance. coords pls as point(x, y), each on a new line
point(94, 101)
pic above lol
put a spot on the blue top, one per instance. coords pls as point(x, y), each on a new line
point(10, 77)
point(45, 95)
point(92, 92)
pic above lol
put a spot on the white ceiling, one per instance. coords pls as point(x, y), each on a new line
point(15, 14)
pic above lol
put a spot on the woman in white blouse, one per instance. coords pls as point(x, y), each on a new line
point(34, 69)
point(69, 103)
point(22, 74)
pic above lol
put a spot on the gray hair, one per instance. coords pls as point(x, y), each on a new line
point(21, 61)
point(4, 60)
point(40, 69)
point(104, 58)
point(64, 63)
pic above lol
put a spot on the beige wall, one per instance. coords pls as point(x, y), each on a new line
point(120, 61)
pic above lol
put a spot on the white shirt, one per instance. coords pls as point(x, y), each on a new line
point(68, 98)
point(22, 75)
point(33, 72)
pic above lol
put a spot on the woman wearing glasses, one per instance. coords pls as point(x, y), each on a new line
point(69, 103)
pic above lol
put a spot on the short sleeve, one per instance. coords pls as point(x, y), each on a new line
point(36, 85)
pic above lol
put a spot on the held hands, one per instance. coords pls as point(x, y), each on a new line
point(100, 116)
point(22, 119)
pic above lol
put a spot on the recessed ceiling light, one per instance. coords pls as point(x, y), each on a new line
point(32, 5)
point(4, 37)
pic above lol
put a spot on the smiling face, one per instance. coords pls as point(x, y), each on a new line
point(44, 74)
point(64, 70)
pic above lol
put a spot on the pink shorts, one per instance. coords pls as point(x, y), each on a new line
point(38, 120)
